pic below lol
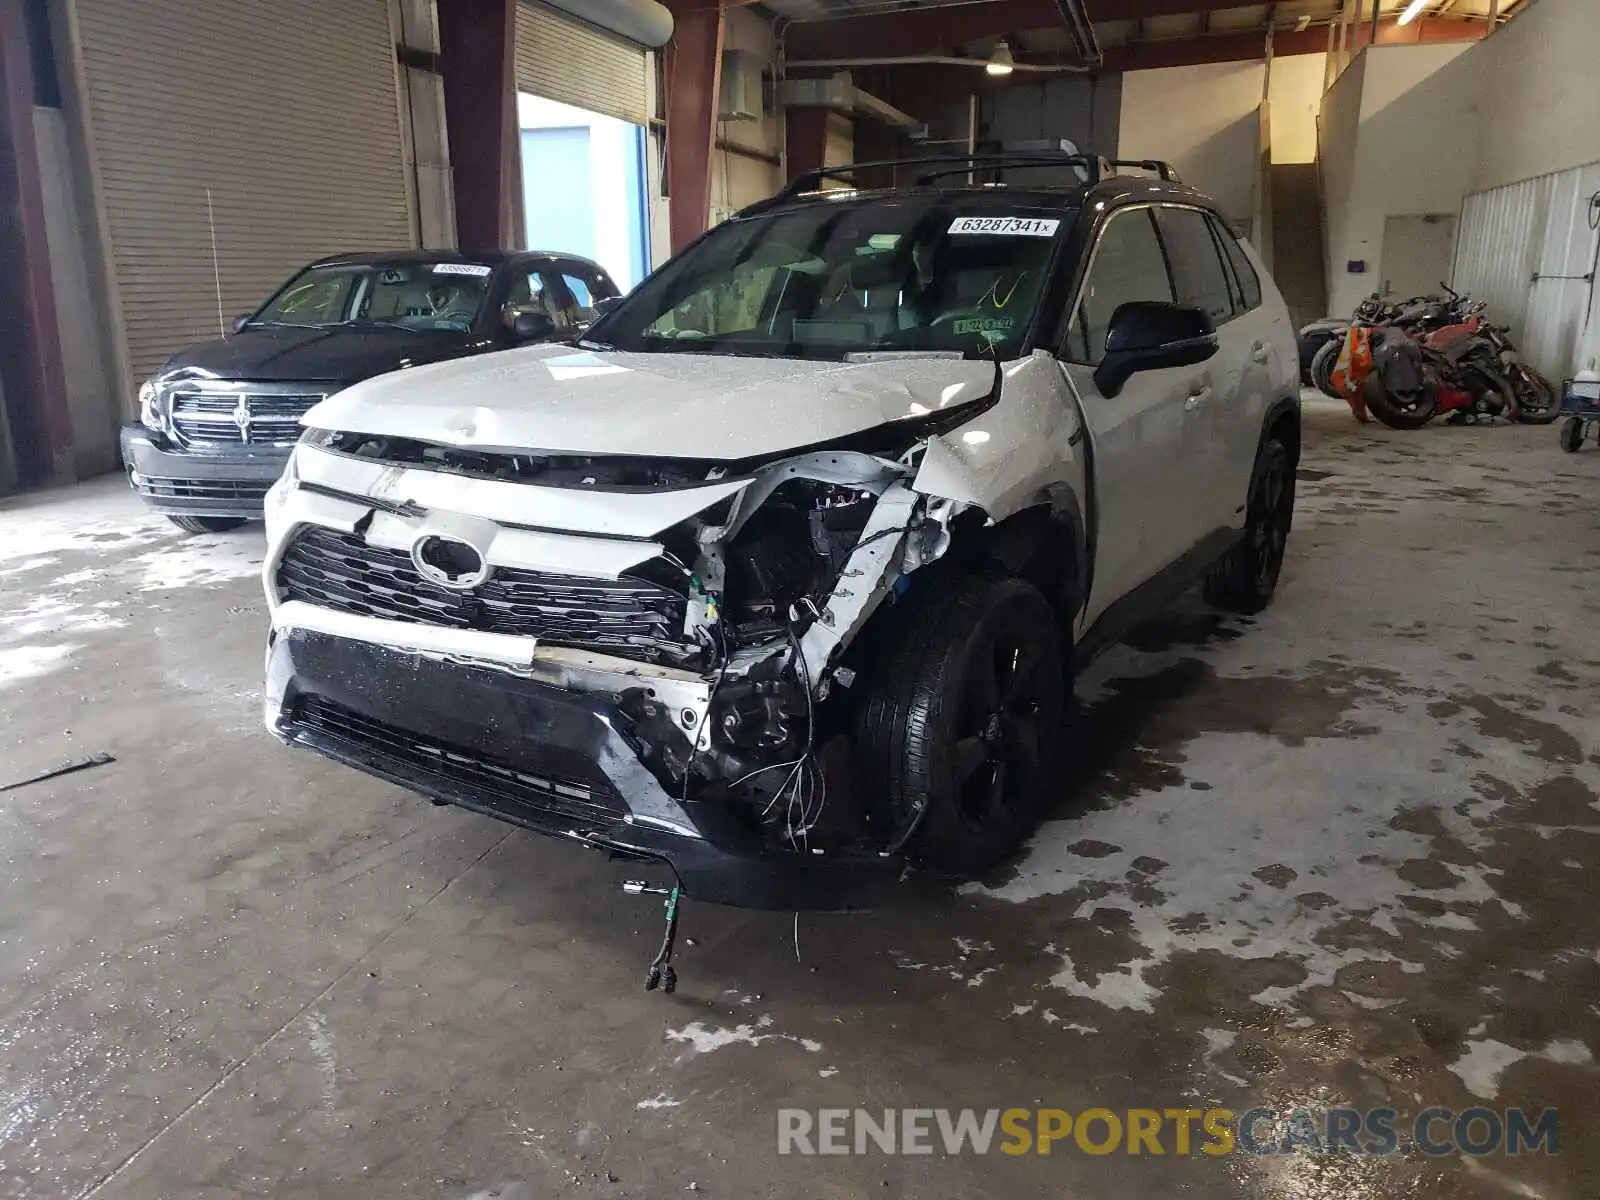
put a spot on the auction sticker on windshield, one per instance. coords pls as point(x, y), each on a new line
point(1007, 226)
point(475, 269)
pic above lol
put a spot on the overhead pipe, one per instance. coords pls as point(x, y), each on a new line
point(943, 60)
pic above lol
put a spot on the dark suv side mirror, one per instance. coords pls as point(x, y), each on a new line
point(241, 321)
point(532, 326)
point(1147, 335)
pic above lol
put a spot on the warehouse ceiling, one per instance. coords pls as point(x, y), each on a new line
point(1131, 34)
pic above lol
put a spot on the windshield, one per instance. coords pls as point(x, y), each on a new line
point(439, 296)
point(831, 280)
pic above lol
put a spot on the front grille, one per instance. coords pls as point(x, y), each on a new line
point(163, 488)
point(628, 617)
point(554, 785)
point(234, 417)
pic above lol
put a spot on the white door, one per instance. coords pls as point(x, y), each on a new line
point(1142, 437)
point(1235, 379)
point(1416, 254)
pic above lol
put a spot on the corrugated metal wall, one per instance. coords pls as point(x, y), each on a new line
point(559, 58)
point(285, 109)
point(1537, 228)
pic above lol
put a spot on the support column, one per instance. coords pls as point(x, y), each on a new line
point(477, 56)
point(805, 139)
point(35, 393)
point(693, 74)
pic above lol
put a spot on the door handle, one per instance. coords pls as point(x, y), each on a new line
point(1261, 352)
point(1196, 399)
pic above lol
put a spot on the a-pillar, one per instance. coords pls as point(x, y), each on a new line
point(34, 389)
point(693, 82)
point(477, 56)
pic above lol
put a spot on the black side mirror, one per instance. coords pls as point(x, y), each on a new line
point(241, 321)
point(532, 326)
point(605, 304)
point(1148, 335)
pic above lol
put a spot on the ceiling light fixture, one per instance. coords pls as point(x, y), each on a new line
point(1001, 62)
point(1413, 10)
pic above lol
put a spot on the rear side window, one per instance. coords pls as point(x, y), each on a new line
point(1198, 274)
point(1249, 281)
point(1128, 265)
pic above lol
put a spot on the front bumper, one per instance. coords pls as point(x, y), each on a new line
point(538, 756)
point(229, 483)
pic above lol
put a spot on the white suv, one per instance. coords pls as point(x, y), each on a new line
point(781, 576)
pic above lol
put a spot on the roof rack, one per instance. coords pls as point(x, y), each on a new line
point(940, 166)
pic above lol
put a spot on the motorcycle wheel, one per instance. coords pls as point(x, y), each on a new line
point(1407, 410)
point(1572, 435)
point(1538, 402)
point(1322, 368)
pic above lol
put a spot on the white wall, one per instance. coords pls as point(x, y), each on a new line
point(1295, 94)
point(1411, 153)
point(1541, 74)
point(1203, 120)
point(737, 180)
point(611, 145)
point(1537, 165)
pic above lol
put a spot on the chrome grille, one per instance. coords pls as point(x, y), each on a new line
point(260, 414)
point(630, 617)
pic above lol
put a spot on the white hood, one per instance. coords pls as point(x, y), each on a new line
point(670, 405)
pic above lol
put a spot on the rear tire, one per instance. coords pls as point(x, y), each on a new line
point(1322, 368)
point(1398, 412)
point(1537, 401)
point(1572, 435)
point(1244, 579)
point(960, 728)
point(208, 524)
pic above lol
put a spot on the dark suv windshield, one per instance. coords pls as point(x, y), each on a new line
point(441, 296)
point(839, 278)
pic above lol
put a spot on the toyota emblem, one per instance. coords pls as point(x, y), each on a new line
point(449, 562)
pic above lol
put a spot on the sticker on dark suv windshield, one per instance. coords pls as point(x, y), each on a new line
point(1007, 226)
point(461, 269)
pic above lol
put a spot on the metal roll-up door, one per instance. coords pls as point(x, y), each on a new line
point(559, 58)
point(285, 111)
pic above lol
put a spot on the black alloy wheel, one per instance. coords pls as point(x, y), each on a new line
point(964, 717)
point(999, 756)
point(1245, 579)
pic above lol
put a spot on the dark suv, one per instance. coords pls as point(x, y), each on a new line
point(217, 422)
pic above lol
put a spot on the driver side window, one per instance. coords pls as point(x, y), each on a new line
point(530, 293)
point(1128, 264)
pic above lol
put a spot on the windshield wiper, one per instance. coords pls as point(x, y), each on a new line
point(587, 344)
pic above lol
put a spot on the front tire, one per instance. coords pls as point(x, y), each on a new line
point(1245, 578)
point(1405, 410)
point(1537, 401)
point(207, 524)
point(960, 729)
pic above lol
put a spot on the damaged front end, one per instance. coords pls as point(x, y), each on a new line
point(649, 656)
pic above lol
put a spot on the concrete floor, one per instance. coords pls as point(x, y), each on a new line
point(1346, 853)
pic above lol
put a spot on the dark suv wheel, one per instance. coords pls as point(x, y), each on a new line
point(1244, 579)
point(964, 716)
